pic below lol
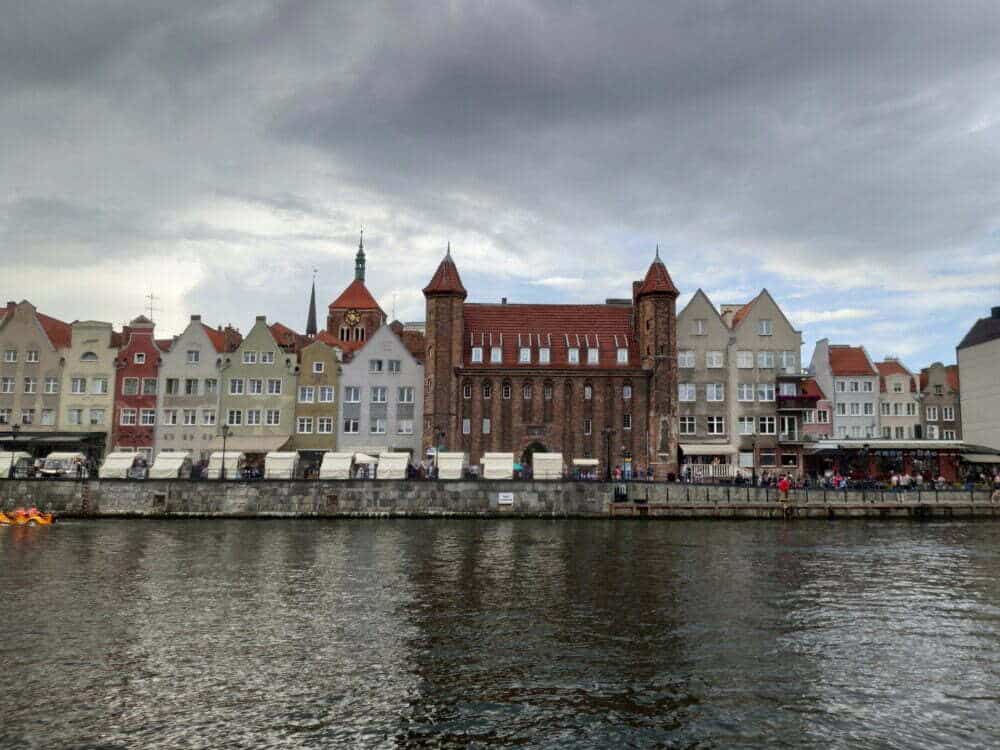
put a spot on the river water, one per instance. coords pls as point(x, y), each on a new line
point(311, 634)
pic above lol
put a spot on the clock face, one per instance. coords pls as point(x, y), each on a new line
point(352, 317)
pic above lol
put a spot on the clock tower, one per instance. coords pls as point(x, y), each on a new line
point(354, 316)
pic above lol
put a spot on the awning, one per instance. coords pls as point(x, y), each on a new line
point(364, 458)
point(585, 462)
point(117, 464)
point(56, 439)
point(168, 464)
point(546, 465)
point(280, 465)
point(248, 444)
point(450, 465)
point(232, 461)
point(498, 465)
point(6, 459)
point(393, 465)
point(980, 458)
point(336, 466)
point(707, 449)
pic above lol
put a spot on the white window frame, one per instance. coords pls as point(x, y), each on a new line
point(324, 425)
point(544, 355)
point(319, 368)
point(720, 422)
point(622, 356)
point(573, 355)
point(304, 425)
point(352, 426)
point(744, 359)
point(687, 392)
point(234, 389)
point(274, 386)
point(139, 358)
point(593, 356)
point(686, 358)
point(687, 425)
point(765, 392)
point(477, 355)
point(765, 327)
point(31, 356)
point(496, 355)
point(524, 355)
point(746, 425)
point(715, 392)
point(714, 360)
point(379, 394)
point(326, 394)
point(249, 358)
point(767, 425)
point(255, 386)
point(405, 394)
point(267, 358)
point(147, 417)
point(307, 394)
point(272, 417)
point(193, 356)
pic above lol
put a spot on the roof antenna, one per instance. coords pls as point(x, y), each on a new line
point(152, 299)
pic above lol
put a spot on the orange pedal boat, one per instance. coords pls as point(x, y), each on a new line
point(21, 517)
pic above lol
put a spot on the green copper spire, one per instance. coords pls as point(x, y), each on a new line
point(359, 259)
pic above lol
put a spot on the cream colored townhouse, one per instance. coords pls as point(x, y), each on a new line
point(899, 402)
point(88, 380)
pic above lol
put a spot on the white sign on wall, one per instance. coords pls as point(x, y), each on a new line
point(505, 498)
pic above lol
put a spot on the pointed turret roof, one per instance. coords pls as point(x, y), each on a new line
point(446, 279)
point(311, 318)
point(657, 279)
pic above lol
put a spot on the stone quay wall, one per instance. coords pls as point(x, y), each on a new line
point(419, 499)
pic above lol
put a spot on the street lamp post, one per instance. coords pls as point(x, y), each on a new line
point(16, 430)
point(225, 434)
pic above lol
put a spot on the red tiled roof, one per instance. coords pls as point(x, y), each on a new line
point(216, 336)
point(951, 377)
point(606, 327)
point(345, 346)
point(446, 279)
point(415, 344)
point(850, 360)
point(657, 280)
point(892, 367)
point(59, 333)
point(164, 344)
point(811, 389)
point(355, 297)
point(287, 338)
point(742, 312)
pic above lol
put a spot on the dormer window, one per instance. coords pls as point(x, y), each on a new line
point(543, 355)
point(140, 358)
point(574, 356)
point(524, 355)
point(477, 354)
point(496, 355)
point(623, 356)
point(592, 355)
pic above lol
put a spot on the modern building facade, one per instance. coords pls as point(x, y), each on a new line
point(587, 381)
point(899, 402)
point(941, 402)
point(848, 377)
point(88, 381)
point(979, 372)
point(137, 367)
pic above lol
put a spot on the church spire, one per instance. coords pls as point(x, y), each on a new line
point(359, 259)
point(311, 320)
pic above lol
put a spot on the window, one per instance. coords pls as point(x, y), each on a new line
point(351, 427)
point(746, 425)
point(466, 426)
point(932, 432)
point(318, 368)
point(855, 409)
point(686, 392)
point(767, 458)
point(191, 386)
point(822, 416)
point(911, 410)
point(868, 408)
point(10, 355)
point(477, 354)
point(622, 356)
point(886, 408)
point(324, 425)
point(169, 416)
point(524, 355)
point(855, 387)
point(897, 387)
point(716, 425)
point(626, 392)
point(856, 431)
point(304, 425)
point(253, 416)
point(487, 390)
point(544, 356)
point(744, 392)
point(193, 356)
point(588, 426)
point(49, 417)
point(249, 358)
point(98, 386)
point(900, 433)
point(139, 358)
point(744, 360)
point(52, 385)
point(190, 417)
point(234, 417)
point(128, 416)
point(149, 386)
point(841, 386)
point(573, 355)
point(345, 333)
point(352, 394)
point(306, 394)
point(79, 385)
point(359, 333)
point(374, 365)
point(948, 435)
point(626, 421)
point(688, 425)
point(526, 392)
point(404, 427)
point(766, 425)
point(130, 386)
point(841, 409)
point(788, 389)
point(172, 386)
point(394, 366)
point(6, 384)
point(765, 327)
point(326, 394)
point(699, 327)
point(714, 392)
point(467, 390)
point(486, 426)
point(932, 413)
point(496, 355)
point(789, 361)
point(947, 413)
point(842, 431)
point(235, 386)
point(380, 394)
point(274, 386)
point(27, 416)
point(208, 417)
point(505, 391)
point(31, 356)
point(592, 356)
point(88, 357)
point(765, 391)
point(75, 416)
point(588, 392)
point(765, 360)
point(405, 394)
point(211, 386)
point(5, 416)
point(685, 358)
point(147, 417)
point(272, 417)
point(887, 433)
point(713, 360)
point(267, 358)
point(31, 385)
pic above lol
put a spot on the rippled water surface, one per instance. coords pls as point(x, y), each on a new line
point(225, 634)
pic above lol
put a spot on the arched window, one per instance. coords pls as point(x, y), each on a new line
point(345, 333)
point(588, 392)
point(88, 357)
point(487, 389)
point(359, 334)
point(505, 390)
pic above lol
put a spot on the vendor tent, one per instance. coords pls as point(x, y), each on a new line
point(171, 465)
point(498, 466)
point(280, 464)
point(233, 462)
point(450, 465)
point(393, 465)
point(546, 465)
point(980, 458)
point(8, 459)
point(585, 462)
point(116, 464)
point(336, 465)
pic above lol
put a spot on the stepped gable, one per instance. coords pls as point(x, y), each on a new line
point(560, 327)
point(850, 360)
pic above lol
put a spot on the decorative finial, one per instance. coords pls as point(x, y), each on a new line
point(361, 241)
point(359, 259)
point(657, 251)
point(448, 252)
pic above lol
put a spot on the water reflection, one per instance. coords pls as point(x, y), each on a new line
point(459, 633)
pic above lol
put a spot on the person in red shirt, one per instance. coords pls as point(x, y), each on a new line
point(783, 486)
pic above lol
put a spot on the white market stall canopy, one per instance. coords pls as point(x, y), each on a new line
point(11, 459)
point(336, 465)
point(450, 465)
point(171, 465)
point(364, 458)
point(116, 465)
point(546, 465)
point(393, 465)
point(68, 457)
point(707, 449)
point(980, 458)
point(233, 459)
point(585, 462)
point(498, 466)
point(280, 465)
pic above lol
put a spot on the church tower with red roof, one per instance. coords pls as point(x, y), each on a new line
point(354, 316)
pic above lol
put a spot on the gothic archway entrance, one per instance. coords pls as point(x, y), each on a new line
point(531, 450)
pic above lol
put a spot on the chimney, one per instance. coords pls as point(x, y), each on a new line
point(195, 318)
point(995, 311)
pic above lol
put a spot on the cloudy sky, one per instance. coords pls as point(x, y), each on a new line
point(844, 155)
